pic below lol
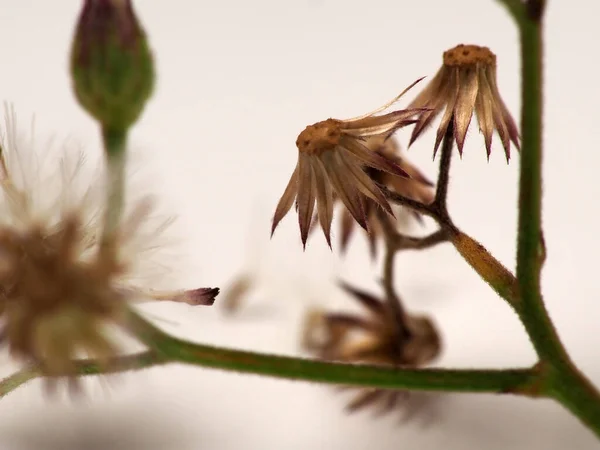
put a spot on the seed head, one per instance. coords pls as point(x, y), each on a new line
point(376, 337)
point(55, 302)
point(61, 292)
point(466, 84)
point(333, 161)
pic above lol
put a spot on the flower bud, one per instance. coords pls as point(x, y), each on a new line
point(111, 64)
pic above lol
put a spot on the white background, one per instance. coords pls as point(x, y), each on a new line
point(237, 82)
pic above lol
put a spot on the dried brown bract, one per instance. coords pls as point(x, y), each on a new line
point(332, 157)
point(466, 83)
point(417, 187)
point(378, 337)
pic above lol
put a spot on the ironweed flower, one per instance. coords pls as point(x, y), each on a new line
point(332, 158)
point(466, 83)
point(417, 187)
point(375, 338)
point(60, 290)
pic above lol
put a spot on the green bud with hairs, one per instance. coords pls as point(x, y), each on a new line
point(112, 66)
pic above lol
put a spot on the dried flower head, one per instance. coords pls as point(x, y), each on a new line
point(417, 187)
point(60, 291)
point(466, 83)
point(375, 338)
point(332, 158)
point(54, 301)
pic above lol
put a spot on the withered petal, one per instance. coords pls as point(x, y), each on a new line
point(449, 113)
point(372, 303)
point(502, 129)
point(349, 321)
point(391, 401)
point(365, 184)
point(433, 90)
point(365, 398)
point(197, 297)
point(484, 109)
point(433, 97)
point(306, 195)
point(371, 158)
point(324, 198)
point(513, 131)
point(347, 229)
point(385, 124)
point(505, 124)
point(372, 239)
point(412, 189)
point(386, 106)
point(465, 103)
point(415, 174)
point(286, 201)
point(347, 192)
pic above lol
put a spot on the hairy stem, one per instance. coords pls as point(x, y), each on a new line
point(476, 255)
point(170, 349)
point(443, 181)
point(391, 298)
point(16, 380)
point(118, 364)
point(563, 380)
point(535, 316)
point(488, 268)
point(515, 381)
point(402, 242)
point(115, 142)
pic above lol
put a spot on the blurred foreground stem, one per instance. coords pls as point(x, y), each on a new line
point(115, 142)
point(165, 349)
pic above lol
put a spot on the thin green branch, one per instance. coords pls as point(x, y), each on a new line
point(535, 316)
point(443, 181)
point(399, 199)
point(392, 299)
point(516, 8)
point(118, 364)
point(476, 255)
point(170, 349)
point(561, 378)
point(509, 381)
point(402, 242)
point(16, 380)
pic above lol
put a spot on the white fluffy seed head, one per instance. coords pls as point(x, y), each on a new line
point(52, 268)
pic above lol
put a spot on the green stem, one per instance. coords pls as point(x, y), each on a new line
point(118, 364)
point(515, 381)
point(535, 315)
point(563, 380)
point(443, 181)
point(16, 380)
point(576, 393)
point(115, 142)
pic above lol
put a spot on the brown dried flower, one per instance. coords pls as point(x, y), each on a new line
point(466, 83)
point(332, 158)
point(417, 187)
point(377, 338)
